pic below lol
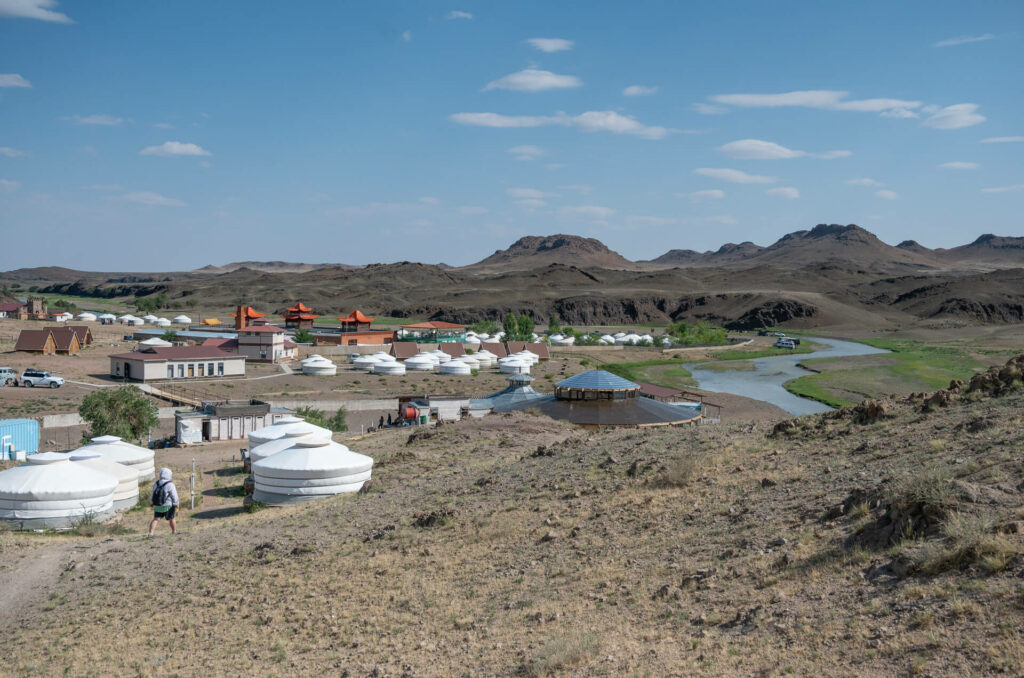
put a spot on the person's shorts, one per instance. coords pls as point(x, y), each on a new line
point(168, 514)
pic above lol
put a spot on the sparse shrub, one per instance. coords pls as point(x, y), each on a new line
point(969, 540)
point(929, 489)
point(562, 653)
point(681, 471)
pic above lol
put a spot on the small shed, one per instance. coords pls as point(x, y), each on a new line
point(18, 438)
point(36, 341)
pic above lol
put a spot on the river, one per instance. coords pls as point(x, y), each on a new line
point(765, 381)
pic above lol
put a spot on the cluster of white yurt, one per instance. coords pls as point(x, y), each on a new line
point(562, 340)
point(513, 365)
point(118, 451)
point(283, 427)
point(442, 357)
point(486, 358)
point(474, 340)
point(647, 337)
point(308, 469)
point(318, 365)
point(607, 339)
point(471, 360)
point(108, 317)
point(365, 363)
point(86, 317)
point(52, 492)
point(162, 322)
point(526, 355)
point(455, 366)
point(126, 494)
point(154, 342)
point(421, 362)
point(483, 336)
point(627, 339)
point(181, 320)
point(389, 367)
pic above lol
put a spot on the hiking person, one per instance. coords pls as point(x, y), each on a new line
point(381, 425)
point(164, 499)
point(389, 419)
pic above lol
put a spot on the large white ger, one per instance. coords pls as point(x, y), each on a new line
point(121, 452)
point(285, 426)
point(311, 468)
point(126, 495)
point(51, 492)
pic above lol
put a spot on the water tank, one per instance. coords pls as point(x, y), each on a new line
point(121, 452)
point(126, 495)
point(310, 469)
point(51, 492)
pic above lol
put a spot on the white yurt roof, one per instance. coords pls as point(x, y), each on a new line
point(319, 365)
point(499, 335)
point(127, 493)
point(107, 316)
point(556, 337)
point(155, 341)
point(666, 340)
point(454, 366)
point(486, 353)
point(441, 355)
point(472, 340)
point(607, 338)
point(513, 365)
point(124, 318)
point(536, 337)
point(85, 316)
point(162, 322)
point(264, 450)
point(117, 450)
point(365, 362)
point(393, 368)
point(149, 317)
point(528, 356)
point(420, 362)
point(470, 360)
point(51, 492)
point(285, 426)
point(619, 334)
point(181, 319)
point(384, 357)
point(309, 469)
point(137, 322)
point(647, 337)
point(564, 341)
point(483, 336)
point(470, 333)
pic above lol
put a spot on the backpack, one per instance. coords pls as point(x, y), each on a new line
point(161, 496)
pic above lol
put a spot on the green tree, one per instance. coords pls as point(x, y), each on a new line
point(123, 412)
point(169, 335)
point(192, 303)
point(511, 327)
point(525, 328)
point(484, 327)
point(336, 422)
point(555, 324)
point(303, 337)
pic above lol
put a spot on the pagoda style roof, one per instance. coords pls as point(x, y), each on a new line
point(251, 313)
point(356, 317)
point(300, 308)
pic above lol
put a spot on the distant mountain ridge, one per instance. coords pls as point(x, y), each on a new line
point(267, 267)
point(534, 251)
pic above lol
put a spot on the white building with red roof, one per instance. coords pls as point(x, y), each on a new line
point(177, 362)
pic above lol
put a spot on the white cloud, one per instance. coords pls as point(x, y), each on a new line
point(13, 80)
point(734, 176)
point(589, 211)
point(458, 14)
point(1002, 140)
point(887, 194)
point(97, 119)
point(406, 36)
point(832, 155)
point(824, 99)
point(9, 186)
point(579, 188)
point(900, 113)
point(591, 121)
point(755, 149)
point(787, 192)
point(174, 148)
point(531, 204)
point(551, 44)
point(527, 152)
point(105, 187)
point(163, 125)
point(639, 91)
point(531, 193)
point(955, 117)
point(964, 40)
point(429, 200)
point(959, 165)
point(707, 194)
point(864, 181)
point(472, 210)
point(709, 109)
point(33, 9)
point(150, 198)
point(9, 152)
point(1015, 188)
point(534, 80)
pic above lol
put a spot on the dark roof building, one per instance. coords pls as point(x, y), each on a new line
point(36, 341)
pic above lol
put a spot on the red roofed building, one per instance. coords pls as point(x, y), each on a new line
point(355, 322)
point(177, 362)
point(247, 315)
point(299, 317)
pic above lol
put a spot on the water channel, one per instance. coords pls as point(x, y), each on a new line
point(765, 381)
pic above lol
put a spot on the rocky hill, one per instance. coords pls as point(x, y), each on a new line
point(538, 251)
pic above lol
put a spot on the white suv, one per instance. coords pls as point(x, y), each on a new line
point(39, 378)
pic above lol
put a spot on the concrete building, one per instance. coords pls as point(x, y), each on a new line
point(265, 344)
point(228, 420)
point(177, 362)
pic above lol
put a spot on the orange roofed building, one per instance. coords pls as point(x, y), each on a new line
point(355, 330)
point(355, 322)
point(299, 317)
point(246, 316)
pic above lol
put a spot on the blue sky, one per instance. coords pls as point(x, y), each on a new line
point(148, 136)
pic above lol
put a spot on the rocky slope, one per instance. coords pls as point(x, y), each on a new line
point(537, 251)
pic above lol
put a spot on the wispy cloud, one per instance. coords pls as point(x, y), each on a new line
point(1002, 140)
point(527, 152)
point(589, 211)
point(707, 194)
point(964, 40)
point(591, 121)
point(534, 80)
point(174, 148)
point(787, 192)
point(100, 119)
point(163, 125)
point(33, 9)
point(105, 187)
point(9, 185)
point(734, 176)
point(551, 44)
point(579, 188)
point(9, 152)
point(887, 194)
point(955, 117)
point(458, 14)
point(756, 149)
point(824, 99)
point(639, 91)
point(472, 210)
point(528, 193)
point(13, 80)
point(429, 200)
point(864, 181)
point(150, 198)
point(709, 109)
point(531, 204)
point(958, 165)
point(1015, 188)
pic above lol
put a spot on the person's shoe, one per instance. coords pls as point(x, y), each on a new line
point(149, 536)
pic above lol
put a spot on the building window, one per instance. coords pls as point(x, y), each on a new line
point(209, 369)
point(201, 366)
point(170, 371)
point(181, 370)
point(220, 369)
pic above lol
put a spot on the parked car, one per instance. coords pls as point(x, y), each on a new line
point(7, 376)
point(784, 342)
point(40, 378)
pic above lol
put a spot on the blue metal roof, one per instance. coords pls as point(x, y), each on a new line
point(597, 380)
